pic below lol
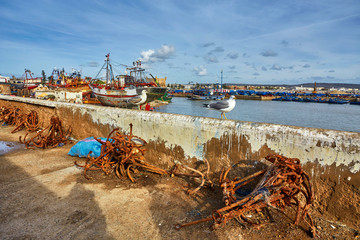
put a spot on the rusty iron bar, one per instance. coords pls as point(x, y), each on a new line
point(283, 184)
point(178, 170)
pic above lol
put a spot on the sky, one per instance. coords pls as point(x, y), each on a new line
point(250, 41)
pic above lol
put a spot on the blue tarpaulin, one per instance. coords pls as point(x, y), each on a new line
point(83, 147)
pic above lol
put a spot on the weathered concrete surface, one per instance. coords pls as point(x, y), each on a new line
point(223, 142)
point(44, 196)
point(331, 158)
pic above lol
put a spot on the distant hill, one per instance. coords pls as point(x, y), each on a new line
point(330, 85)
point(325, 85)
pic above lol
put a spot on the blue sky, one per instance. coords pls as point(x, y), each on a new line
point(254, 42)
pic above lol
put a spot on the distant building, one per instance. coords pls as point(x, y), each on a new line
point(308, 89)
point(188, 86)
point(161, 81)
point(304, 89)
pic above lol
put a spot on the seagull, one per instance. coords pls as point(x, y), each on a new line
point(223, 106)
point(139, 100)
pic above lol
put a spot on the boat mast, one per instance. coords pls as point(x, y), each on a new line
point(221, 80)
point(27, 78)
point(109, 71)
point(107, 68)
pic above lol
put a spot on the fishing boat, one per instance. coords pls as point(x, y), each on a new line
point(200, 94)
point(73, 81)
point(4, 79)
point(30, 82)
point(116, 91)
point(356, 102)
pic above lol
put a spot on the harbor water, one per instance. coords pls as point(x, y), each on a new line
point(343, 117)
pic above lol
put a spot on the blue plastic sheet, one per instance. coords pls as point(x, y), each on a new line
point(83, 147)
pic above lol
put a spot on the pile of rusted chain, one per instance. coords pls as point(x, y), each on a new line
point(28, 121)
point(54, 136)
point(9, 115)
point(13, 116)
point(122, 154)
point(282, 184)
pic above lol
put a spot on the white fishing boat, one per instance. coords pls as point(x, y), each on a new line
point(116, 91)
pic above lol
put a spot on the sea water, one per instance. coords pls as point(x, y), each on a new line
point(344, 117)
point(9, 146)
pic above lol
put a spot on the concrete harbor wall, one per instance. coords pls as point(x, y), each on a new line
point(331, 158)
point(326, 154)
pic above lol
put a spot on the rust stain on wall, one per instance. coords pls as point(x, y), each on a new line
point(336, 192)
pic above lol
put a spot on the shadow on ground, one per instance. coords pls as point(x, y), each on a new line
point(29, 210)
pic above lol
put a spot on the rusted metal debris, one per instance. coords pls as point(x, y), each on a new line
point(122, 154)
point(13, 116)
point(9, 115)
point(282, 184)
point(178, 170)
point(28, 121)
point(54, 137)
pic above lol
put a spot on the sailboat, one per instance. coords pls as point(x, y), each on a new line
point(116, 91)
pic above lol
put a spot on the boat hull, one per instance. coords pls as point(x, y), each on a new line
point(120, 97)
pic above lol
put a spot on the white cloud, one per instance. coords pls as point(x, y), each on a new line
point(160, 55)
point(147, 56)
point(200, 71)
point(276, 67)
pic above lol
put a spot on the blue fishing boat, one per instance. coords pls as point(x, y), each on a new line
point(337, 101)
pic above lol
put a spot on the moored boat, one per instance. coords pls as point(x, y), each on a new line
point(356, 102)
point(30, 82)
point(72, 82)
point(117, 91)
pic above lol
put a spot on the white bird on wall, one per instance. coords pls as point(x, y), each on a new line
point(223, 106)
point(139, 100)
